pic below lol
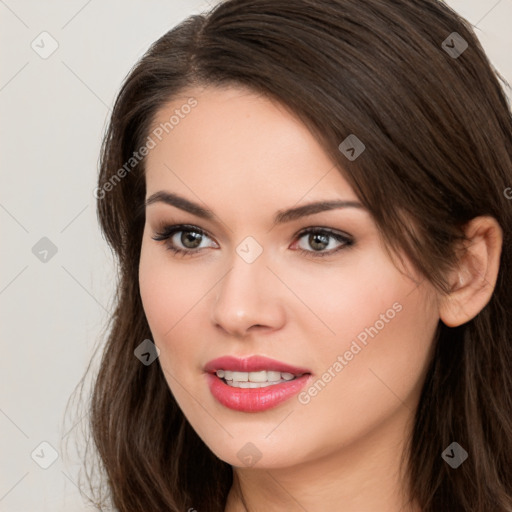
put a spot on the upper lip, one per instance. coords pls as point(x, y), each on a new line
point(252, 364)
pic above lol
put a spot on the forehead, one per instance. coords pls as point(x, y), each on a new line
point(238, 144)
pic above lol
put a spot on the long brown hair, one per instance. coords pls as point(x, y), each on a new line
point(437, 129)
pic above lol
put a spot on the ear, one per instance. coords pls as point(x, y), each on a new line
point(473, 281)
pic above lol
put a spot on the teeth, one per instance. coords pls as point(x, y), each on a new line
point(271, 376)
point(254, 379)
point(241, 376)
point(262, 376)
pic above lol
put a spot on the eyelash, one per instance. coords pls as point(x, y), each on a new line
point(168, 231)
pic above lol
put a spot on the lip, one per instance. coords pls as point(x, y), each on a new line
point(251, 364)
point(253, 399)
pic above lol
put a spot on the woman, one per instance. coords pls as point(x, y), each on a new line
point(307, 200)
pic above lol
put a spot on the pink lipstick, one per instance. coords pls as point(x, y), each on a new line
point(255, 383)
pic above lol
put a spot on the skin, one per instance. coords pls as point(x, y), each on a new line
point(245, 158)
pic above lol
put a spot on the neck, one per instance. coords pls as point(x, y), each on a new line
point(367, 475)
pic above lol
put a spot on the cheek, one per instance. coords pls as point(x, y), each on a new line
point(356, 298)
point(166, 290)
point(374, 369)
point(373, 358)
point(171, 297)
point(163, 292)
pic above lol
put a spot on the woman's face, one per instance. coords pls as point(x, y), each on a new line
point(316, 292)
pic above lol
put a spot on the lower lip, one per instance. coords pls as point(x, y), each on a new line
point(254, 399)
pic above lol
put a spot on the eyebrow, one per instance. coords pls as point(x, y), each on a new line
point(281, 217)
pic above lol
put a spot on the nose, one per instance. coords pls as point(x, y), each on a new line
point(248, 299)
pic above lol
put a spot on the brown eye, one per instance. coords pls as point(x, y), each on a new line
point(190, 239)
point(182, 239)
point(318, 240)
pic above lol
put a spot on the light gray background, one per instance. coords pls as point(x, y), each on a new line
point(53, 113)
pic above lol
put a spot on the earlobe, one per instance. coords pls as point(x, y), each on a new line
point(474, 280)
